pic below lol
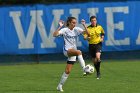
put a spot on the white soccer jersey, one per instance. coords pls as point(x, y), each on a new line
point(70, 37)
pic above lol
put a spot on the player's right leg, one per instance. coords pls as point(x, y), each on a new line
point(73, 52)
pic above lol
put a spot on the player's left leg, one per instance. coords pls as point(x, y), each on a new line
point(65, 75)
point(98, 58)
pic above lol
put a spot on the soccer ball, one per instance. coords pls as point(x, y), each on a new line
point(89, 69)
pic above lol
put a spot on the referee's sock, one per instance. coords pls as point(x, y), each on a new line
point(97, 66)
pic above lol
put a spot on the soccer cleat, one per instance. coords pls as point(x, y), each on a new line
point(98, 75)
point(59, 88)
point(84, 74)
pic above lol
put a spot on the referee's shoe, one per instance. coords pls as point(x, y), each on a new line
point(98, 75)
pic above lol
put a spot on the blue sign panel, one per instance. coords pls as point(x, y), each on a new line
point(28, 29)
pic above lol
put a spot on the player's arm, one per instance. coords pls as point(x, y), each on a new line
point(86, 37)
point(56, 33)
point(102, 34)
point(86, 30)
point(102, 38)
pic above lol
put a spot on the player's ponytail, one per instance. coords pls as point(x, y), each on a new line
point(69, 19)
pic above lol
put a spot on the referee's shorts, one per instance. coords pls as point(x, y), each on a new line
point(94, 48)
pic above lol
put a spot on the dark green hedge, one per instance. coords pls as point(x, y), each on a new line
point(22, 2)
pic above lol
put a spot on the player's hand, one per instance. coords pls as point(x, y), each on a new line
point(83, 22)
point(61, 23)
point(88, 38)
point(101, 39)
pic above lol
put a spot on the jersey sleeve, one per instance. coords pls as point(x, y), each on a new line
point(102, 31)
point(61, 32)
point(79, 30)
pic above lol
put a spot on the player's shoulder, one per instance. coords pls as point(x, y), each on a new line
point(77, 27)
point(64, 29)
point(98, 25)
point(89, 26)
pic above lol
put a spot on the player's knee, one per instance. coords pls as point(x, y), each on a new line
point(95, 62)
point(67, 71)
point(98, 59)
point(79, 52)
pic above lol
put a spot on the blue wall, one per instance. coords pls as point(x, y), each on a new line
point(28, 29)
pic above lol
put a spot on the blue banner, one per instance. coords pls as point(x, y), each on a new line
point(28, 29)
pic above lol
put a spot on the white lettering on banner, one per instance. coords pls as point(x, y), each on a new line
point(92, 11)
point(25, 42)
point(36, 21)
point(138, 39)
point(47, 40)
point(57, 14)
point(111, 26)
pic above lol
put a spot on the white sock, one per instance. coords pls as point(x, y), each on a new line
point(63, 78)
point(81, 61)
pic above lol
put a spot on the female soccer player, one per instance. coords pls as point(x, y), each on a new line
point(70, 34)
point(95, 38)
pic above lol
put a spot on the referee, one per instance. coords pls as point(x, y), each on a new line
point(95, 39)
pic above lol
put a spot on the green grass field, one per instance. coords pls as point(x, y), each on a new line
point(117, 77)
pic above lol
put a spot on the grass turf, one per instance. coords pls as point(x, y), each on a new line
point(116, 77)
